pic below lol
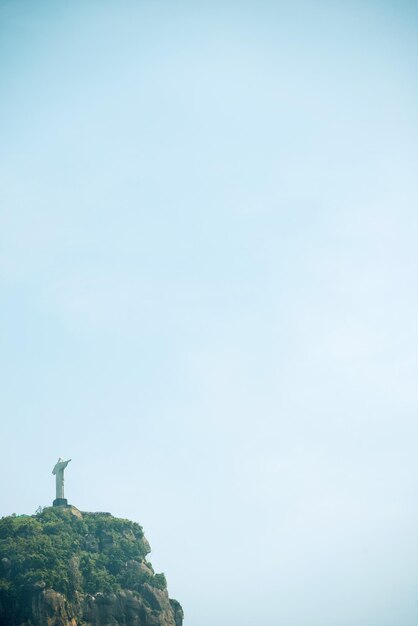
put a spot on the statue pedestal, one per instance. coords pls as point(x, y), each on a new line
point(60, 502)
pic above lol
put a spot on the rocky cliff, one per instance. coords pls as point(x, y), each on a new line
point(66, 568)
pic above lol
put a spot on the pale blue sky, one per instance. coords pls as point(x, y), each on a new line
point(209, 270)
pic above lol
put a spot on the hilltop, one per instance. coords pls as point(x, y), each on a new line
point(62, 567)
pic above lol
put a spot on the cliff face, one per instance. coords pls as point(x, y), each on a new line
point(152, 607)
point(64, 568)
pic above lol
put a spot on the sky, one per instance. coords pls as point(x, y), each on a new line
point(209, 269)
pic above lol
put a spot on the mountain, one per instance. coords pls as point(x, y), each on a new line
point(62, 567)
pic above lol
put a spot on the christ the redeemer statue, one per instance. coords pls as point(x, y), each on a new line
point(59, 479)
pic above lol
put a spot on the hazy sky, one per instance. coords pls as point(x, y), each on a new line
point(209, 270)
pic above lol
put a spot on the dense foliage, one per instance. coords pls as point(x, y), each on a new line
point(58, 550)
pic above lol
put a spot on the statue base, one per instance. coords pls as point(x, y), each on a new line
point(60, 502)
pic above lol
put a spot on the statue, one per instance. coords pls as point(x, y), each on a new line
point(59, 479)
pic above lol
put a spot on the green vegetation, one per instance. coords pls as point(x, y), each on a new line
point(56, 549)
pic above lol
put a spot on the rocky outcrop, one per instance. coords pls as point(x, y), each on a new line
point(177, 612)
point(50, 608)
point(128, 608)
point(64, 568)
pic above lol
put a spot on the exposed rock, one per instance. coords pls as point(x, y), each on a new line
point(6, 565)
point(50, 608)
point(177, 611)
point(151, 608)
point(141, 569)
